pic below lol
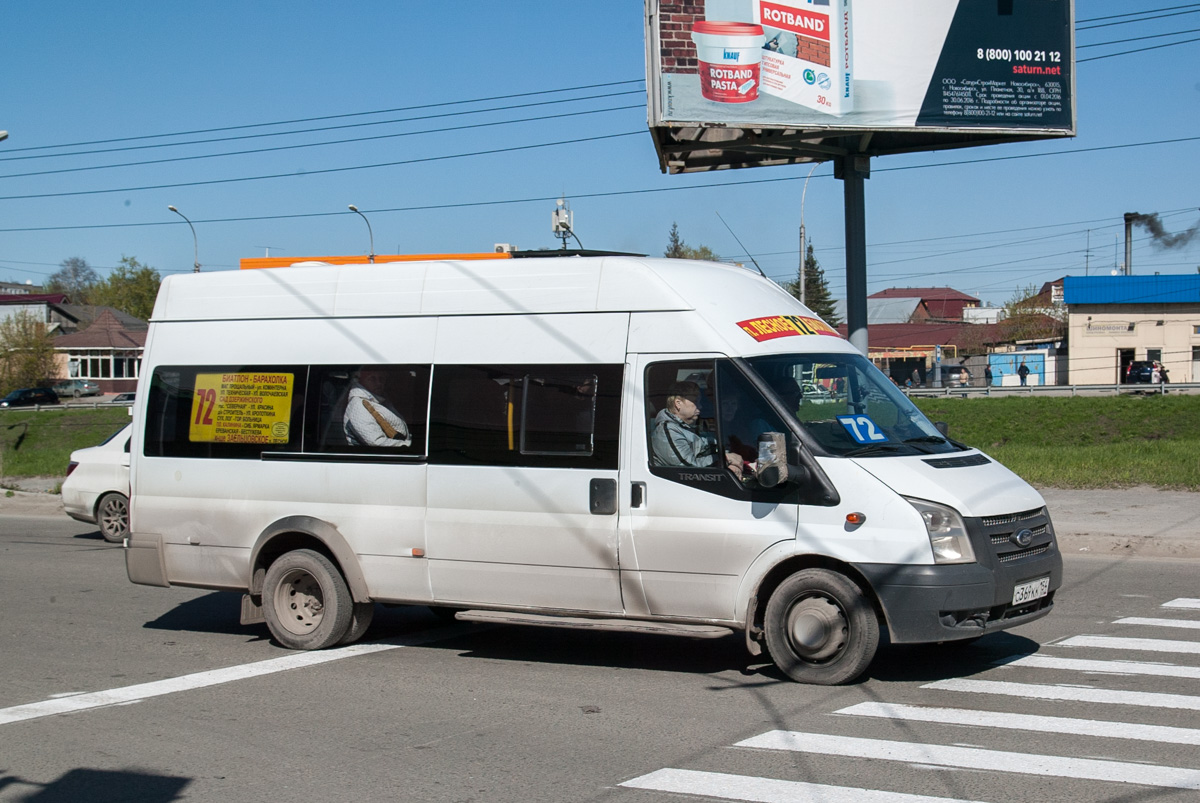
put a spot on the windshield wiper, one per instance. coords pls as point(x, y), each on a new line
point(937, 439)
point(874, 448)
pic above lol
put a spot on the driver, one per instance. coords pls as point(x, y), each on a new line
point(675, 441)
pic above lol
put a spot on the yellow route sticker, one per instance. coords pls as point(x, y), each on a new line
point(242, 408)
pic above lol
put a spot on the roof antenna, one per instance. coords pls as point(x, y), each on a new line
point(739, 242)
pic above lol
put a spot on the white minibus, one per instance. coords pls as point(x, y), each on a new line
point(611, 442)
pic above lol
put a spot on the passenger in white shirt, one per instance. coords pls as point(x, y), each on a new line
point(369, 419)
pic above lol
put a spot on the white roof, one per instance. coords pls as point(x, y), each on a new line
point(480, 287)
point(724, 296)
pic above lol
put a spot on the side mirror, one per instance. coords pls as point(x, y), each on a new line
point(942, 427)
point(772, 467)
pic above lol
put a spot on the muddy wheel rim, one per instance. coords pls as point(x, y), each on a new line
point(299, 602)
point(817, 628)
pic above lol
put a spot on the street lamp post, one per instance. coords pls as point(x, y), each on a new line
point(3, 135)
point(371, 234)
point(803, 256)
point(195, 242)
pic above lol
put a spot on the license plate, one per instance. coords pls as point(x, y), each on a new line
point(1034, 589)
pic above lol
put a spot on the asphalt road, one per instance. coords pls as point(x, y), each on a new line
point(119, 692)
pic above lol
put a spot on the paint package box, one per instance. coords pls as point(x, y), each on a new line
point(807, 58)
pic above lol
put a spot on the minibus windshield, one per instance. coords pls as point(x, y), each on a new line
point(848, 406)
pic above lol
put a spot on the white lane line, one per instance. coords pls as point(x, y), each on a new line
point(1116, 643)
point(1189, 624)
point(214, 677)
point(767, 790)
point(1037, 724)
point(976, 759)
point(1183, 602)
point(1031, 691)
point(1105, 667)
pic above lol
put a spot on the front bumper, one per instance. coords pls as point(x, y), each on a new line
point(950, 602)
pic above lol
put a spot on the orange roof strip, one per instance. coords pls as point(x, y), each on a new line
point(250, 263)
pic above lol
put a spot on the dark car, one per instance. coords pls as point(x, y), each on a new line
point(28, 397)
point(1141, 372)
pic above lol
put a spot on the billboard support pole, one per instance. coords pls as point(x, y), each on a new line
point(853, 169)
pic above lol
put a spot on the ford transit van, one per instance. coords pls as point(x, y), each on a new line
point(614, 442)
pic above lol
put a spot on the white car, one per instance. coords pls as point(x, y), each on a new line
point(96, 489)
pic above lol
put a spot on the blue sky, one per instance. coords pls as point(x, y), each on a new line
point(84, 72)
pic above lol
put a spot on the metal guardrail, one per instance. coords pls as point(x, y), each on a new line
point(74, 404)
point(1055, 390)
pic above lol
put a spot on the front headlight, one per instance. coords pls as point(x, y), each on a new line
point(947, 532)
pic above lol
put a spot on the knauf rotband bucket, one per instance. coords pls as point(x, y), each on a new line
point(730, 55)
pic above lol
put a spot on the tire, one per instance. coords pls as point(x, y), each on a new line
point(112, 514)
point(306, 601)
point(360, 620)
point(75, 393)
point(820, 628)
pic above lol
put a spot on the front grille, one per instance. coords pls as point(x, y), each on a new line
point(1021, 554)
point(1000, 539)
point(998, 531)
point(1012, 518)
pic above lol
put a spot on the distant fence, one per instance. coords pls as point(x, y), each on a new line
point(968, 391)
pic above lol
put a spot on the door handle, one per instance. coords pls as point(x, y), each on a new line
point(637, 495)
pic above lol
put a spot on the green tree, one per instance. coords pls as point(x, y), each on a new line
point(75, 278)
point(131, 288)
point(678, 249)
point(816, 290)
point(26, 351)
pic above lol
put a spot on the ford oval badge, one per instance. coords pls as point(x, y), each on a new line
point(1022, 538)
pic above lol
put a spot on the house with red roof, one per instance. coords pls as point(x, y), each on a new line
point(943, 303)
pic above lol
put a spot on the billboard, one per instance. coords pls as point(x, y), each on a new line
point(923, 73)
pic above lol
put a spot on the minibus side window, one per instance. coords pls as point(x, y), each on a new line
point(228, 412)
point(564, 416)
point(367, 409)
point(665, 447)
point(717, 451)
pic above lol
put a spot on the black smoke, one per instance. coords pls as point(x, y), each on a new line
point(1160, 236)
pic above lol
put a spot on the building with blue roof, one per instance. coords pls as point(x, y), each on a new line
point(1114, 321)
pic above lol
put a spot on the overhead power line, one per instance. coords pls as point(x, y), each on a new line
point(1137, 39)
point(210, 182)
point(1132, 21)
point(275, 148)
point(329, 116)
point(1138, 50)
point(511, 107)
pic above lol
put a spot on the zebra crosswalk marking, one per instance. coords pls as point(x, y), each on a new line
point(1188, 624)
point(1032, 691)
point(1106, 667)
point(1183, 602)
point(767, 790)
point(1117, 643)
point(1037, 724)
point(978, 759)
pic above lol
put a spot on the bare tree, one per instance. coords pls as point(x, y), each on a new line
point(76, 279)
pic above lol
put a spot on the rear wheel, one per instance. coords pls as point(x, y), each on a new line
point(112, 514)
point(820, 628)
point(306, 602)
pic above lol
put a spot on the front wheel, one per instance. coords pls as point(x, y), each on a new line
point(112, 514)
point(306, 601)
point(820, 628)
